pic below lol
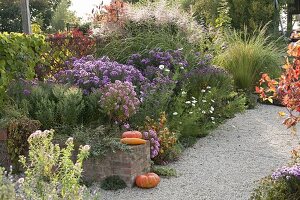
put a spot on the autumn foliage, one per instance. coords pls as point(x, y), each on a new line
point(286, 88)
point(111, 13)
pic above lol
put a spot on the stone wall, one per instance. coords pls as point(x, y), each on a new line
point(126, 164)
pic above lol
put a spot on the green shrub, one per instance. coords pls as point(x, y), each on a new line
point(19, 130)
point(249, 55)
point(283, 188)
point(7, 190)
point(164, 171)
point(19, 54)
point(113, 183)
point(101, 139)
point(49, 169)
point(206, 99)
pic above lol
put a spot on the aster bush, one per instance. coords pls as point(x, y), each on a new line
point(119, 100)
point(89, 73)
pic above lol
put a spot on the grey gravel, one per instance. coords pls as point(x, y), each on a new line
point(227, 164)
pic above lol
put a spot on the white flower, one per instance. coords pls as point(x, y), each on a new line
point(212, 101)
point(193, 105)
point(86, 148)
point(212, 108)
point(21, 180)
point(213, 122)
point(204, 101)
point(193, 98)
point(161, 67)
point(167, 70)
point(208, 87)
point(203, 90)
point(194, 101)
point(183, 93)
point(203, 112)
point(181, 67)
point(211, 111)
point(70, 140)
point(212, 118)
point(175, 113)
point(190, 112)
point(187, 102)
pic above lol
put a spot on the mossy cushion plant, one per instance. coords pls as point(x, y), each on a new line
point(113, 183)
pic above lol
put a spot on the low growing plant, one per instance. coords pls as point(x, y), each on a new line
point(113, 183)
point(164, 171)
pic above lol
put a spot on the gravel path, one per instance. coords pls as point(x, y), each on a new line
point(226, 164)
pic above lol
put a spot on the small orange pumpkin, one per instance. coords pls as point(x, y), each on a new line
point(149, 180)
point(133, 141)
point(132, 134)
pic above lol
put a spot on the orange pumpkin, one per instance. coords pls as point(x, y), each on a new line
point(133, 141)
point(132, 134)
point(149, 180)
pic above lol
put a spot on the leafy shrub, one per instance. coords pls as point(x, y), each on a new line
point(207, 97)
point(18, 132)
point(101, 139)
point(113, 183)
point(164, 171)
point(50, 172)
point(62, 47)
point(55, 105)
point(249, 55)
point(20, 53)
point(52, 104)
point(166, 139)
point(7, 190)
point(285, 89)
point(281, 188)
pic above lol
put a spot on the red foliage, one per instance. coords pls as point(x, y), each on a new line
point(287, 88)
point(62, 47)
point(111, 13)
point(75, 42)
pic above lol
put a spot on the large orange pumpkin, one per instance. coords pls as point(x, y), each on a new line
point(133, 141)
point(132, 134)
point(149, 180)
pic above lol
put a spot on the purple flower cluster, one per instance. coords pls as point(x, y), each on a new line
point(119, 100)
point(88, 73)
point(287, 172)
point(149, 63)
point(151, 135)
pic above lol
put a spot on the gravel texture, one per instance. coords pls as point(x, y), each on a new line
point(227, 164)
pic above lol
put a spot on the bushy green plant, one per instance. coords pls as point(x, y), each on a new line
point(50, 171)
point(7, 187)
point(207, 97)
point(18, 131)
point(164, 171)
point(113, 183)
point(19, 54)
point(101, 139)
point(249, 55)
point(283, 188)
point(53, 105)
